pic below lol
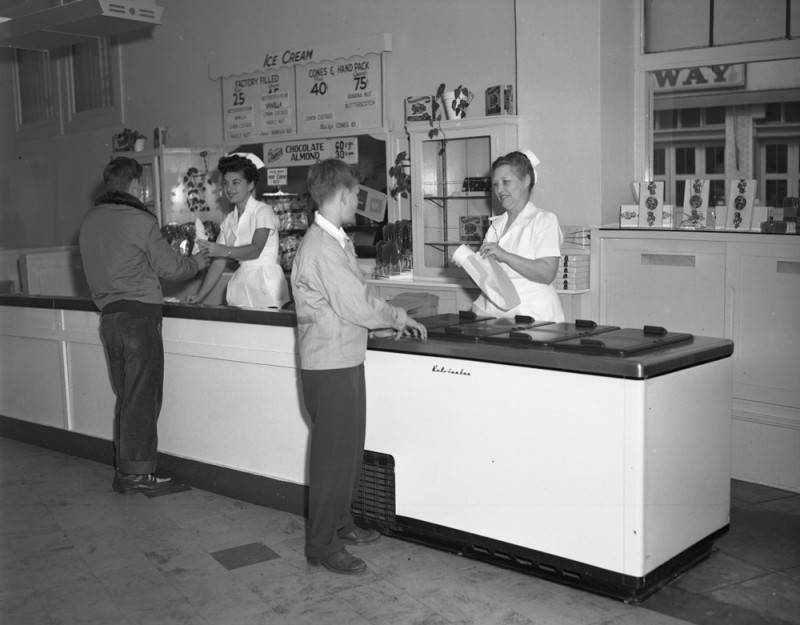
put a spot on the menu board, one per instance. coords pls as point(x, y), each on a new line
point(260, 104)
point(309, 151)
point(338, 95)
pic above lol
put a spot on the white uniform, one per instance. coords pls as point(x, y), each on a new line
point(535, 233)
point(258, 283)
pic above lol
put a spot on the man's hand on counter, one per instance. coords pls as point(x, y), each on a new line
point(413, 329)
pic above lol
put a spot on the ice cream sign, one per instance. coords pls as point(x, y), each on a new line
point(294, 153)
point(302, 90)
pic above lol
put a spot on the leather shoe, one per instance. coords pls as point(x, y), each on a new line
point(359, 536)
point(136, 483)
point(341, 562)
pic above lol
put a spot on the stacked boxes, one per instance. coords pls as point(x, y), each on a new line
point(573, 272)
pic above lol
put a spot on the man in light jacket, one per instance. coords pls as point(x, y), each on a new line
point(335, 313)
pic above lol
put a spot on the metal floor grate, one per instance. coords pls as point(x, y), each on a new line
point(375, 502)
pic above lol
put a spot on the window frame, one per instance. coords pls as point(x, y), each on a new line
point(66, 120)
point(45, 128)
point(646, 62)
point(81, 121)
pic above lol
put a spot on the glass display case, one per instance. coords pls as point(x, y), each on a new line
point(451, 189)
point(180, 184)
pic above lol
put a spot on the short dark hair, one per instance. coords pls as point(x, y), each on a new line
point(520, 163)
point(238, 164)
point(120, 172)
point(326, 177)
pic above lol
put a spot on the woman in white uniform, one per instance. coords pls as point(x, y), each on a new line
point(525, 240)
point(249, 234)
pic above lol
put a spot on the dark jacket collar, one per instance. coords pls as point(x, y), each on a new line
point(120, 197)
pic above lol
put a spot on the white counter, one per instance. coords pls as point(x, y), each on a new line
point(572, 473)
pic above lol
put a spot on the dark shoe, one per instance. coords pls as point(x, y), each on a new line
point(341, 562)
point(359, 536)
point(135, 483)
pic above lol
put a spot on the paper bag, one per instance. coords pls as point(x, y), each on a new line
point(199, 234)
point(489, 276)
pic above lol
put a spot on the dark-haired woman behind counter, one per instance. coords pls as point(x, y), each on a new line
point(248, 234)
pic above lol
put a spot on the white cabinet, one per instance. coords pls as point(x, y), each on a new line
point(451, 186)
point(678, 284)
point(764, 283)
point(741, 286)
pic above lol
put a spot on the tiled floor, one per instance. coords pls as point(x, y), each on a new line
point(73, 552)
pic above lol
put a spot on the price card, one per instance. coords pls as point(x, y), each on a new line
point(277, 176)
point(260, 104)
point(339, 95)
point(346, 149)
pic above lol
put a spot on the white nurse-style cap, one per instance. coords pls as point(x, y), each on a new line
point(534, 163)
point(252, 158)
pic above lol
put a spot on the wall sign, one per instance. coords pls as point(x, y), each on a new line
point(339, 95)
point(721, 76)
point(297, 91)
point(308, 152)
point(260, 104)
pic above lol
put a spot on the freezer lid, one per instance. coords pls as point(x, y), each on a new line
point(546, 335)
point(625, 342)
point(483, 328)
point(450, 319)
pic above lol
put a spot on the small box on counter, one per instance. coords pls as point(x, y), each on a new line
point(500, 100)
point(419, 108)
point(629, 216)
point(651, 202)
point(740, 204)
point(695, 204)
point(472, 227)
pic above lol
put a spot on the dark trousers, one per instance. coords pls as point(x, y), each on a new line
point(337, 405)
point(135, 353)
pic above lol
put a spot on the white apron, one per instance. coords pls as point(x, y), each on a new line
point(534, 234)
point(258, 283)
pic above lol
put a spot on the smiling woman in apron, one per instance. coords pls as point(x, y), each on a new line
point(248, 234)
point(525, 240)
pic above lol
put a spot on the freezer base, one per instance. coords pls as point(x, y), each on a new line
point(569, 572)
point(375, 507)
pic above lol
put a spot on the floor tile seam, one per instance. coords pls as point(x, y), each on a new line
point(713, 589)
point(768, 569)
point(750, 504)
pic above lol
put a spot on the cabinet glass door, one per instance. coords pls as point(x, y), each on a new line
point(456, 198)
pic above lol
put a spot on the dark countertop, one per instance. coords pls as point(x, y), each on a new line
point(641, 366)
point(174, 311)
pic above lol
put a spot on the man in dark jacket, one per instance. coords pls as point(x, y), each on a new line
point(124, 256)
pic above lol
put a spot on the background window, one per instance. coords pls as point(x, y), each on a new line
point(91, 76)
point(35, 102)
point(71, 89)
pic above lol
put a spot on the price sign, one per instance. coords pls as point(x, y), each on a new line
point(293, 153)
point(346, 149)
point(277, 176)
point(339, 95)
point(261, 104)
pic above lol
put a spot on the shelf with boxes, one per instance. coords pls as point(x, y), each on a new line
point(451, 187)
point(293, 215)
